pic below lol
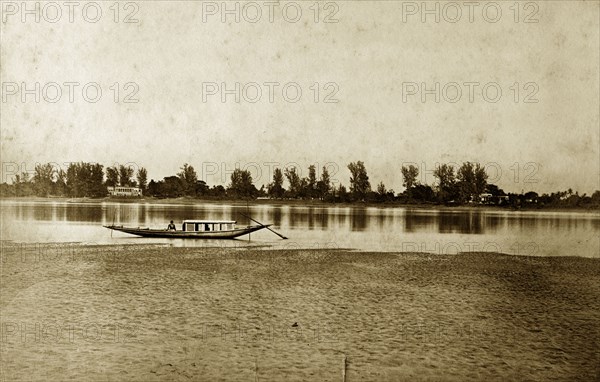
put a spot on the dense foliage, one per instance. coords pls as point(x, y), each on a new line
point(466, 184)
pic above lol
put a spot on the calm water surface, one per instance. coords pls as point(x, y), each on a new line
point(363, 228)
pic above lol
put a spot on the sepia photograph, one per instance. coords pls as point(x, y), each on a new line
point(303, 190)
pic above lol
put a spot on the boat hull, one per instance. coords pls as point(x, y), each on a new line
point(159, 233)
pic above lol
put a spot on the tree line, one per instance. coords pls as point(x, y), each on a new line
point(79, 180)
point(454, 186)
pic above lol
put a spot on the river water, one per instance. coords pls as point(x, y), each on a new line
point(442, 231)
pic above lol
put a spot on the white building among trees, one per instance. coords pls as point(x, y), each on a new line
point(124, 191)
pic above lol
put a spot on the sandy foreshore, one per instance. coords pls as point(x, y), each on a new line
point(150, 313)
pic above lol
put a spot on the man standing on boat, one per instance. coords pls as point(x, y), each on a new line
point(171, 227)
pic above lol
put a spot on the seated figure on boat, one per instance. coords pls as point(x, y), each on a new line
point(195, 229)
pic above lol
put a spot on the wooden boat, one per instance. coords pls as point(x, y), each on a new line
point(194, 229)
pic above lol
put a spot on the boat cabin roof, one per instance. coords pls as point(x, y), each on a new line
point(210, 221)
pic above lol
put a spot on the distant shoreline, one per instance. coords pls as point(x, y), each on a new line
point(294, 203)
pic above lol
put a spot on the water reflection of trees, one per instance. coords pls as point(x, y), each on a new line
point(143, 214)
point(318, 218)
point(43, 214)
point(416, 221)
point(277, 216)
point(311, 218)
point(492, 223)
point(85, 213)
point(381, 220)
point(298, 217)
point(341, 217)
point(162, 215)
point(324, 218)
point(308, 218)
point(464, 222)
point(556, 222)
point(358, 219)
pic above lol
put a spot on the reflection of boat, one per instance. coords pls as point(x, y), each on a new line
point(194, 229)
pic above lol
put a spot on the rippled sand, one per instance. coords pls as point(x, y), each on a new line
point(150, 313)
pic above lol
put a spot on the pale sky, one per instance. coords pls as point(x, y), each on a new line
point(372, 56)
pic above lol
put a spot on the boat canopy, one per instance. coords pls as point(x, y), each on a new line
point(210, 221)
